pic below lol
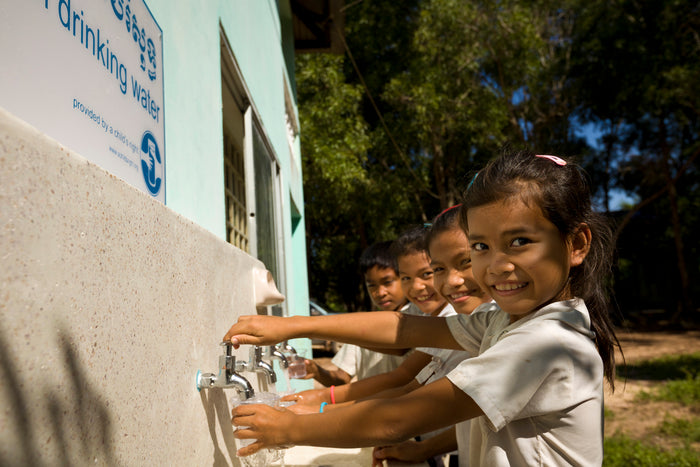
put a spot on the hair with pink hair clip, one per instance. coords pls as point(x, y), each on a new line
point(555, 159)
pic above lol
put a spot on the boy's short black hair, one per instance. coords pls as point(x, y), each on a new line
point(411, 240)
point(378, 254)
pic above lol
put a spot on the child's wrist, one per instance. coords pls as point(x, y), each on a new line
point(423, 452)
point(326, 395)
point(298, 327)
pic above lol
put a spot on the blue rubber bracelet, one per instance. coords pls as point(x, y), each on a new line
point(323, 404)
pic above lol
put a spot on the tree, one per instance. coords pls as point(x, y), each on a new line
point(429, 90)
point(345, 208)
point(637, 75)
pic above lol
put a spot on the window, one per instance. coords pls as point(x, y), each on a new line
point(234, 107)
point(266, 212)
point(234, 185)
point(252, 181)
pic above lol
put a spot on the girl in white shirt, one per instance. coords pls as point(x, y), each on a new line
point(541, 350)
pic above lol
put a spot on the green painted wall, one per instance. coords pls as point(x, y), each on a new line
point(263, 49)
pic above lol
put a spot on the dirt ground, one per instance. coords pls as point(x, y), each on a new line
point(638, 420)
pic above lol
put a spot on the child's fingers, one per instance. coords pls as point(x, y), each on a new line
point(228, 337)
point(379, 453)
point(242, 330)
point(244, 414)
point(306, 397)
point(250, 449)
point(291, 397)
point(302, 409)
point(240, 340)
point(388, 452)
point(245, 433)
point(378, 457)
point(256, 330)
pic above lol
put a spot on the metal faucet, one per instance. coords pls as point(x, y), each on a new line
point(284, 347)
point(276, 354)
point(257, 364)
point(227, 377)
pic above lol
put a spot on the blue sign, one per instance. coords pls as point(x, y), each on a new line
point(151, 163)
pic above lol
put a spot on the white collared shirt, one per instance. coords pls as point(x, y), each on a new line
point(539, 382)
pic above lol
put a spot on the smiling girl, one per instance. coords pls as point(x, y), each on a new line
point(541, 350)
point(416, 280)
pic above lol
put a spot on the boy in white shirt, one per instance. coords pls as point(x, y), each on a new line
point(378, 266)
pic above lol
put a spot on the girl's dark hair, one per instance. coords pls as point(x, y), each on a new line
point(411, 240)
point(446, 220)
point(378, 254)
point(563, 195)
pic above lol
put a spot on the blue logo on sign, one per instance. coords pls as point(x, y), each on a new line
point(151, 163)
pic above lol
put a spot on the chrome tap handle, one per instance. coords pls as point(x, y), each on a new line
point(279, 355)
point(227, 376)
point(261, 366)
point(285, 347)
point(227, 361)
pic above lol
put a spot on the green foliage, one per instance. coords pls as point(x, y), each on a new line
point(634, 64)
point(339, 189)
point(624, 452)
point(685, 391)
point(672, 367)
point(608, 414)
point(334, 139)
point(688, 431)
point(430, 89)
point(680, 373)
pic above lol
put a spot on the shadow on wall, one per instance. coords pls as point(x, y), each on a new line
point(85, 414)
point(217, 409)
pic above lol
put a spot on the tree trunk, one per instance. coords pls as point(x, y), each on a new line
point(685, 307)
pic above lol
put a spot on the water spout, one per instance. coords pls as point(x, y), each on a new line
point(227, 376)
point(256, 364)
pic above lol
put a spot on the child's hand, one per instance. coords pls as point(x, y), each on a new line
point(377, 462)
point(306, 401)
point(269, 426)
point(408, 451)
point(302, 409)
point(257, 330)
point(309, 397)
point(312, 371)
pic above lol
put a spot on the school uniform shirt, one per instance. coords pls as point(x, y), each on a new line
point(363, 363)
point(443, 362)
point(410, 308)
point(448, 310)
point(441, 365)
point(539, 382)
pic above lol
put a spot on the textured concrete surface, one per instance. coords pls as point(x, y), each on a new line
point(109, 302)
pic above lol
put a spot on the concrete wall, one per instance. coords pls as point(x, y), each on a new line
point(109, 302)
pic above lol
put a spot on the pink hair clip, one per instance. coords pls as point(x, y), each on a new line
point(555, 159)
